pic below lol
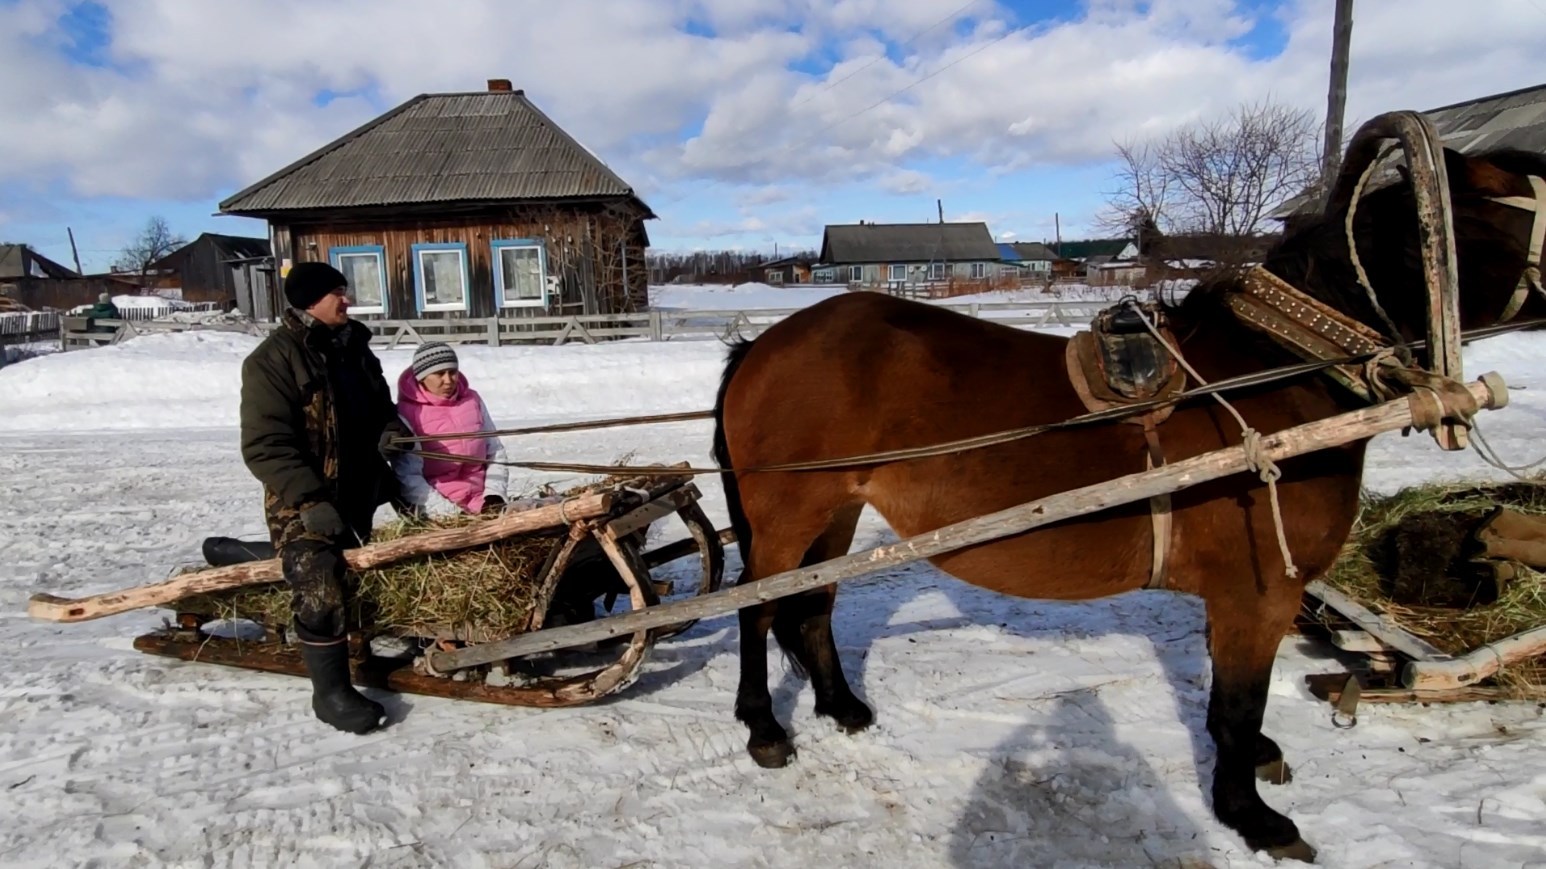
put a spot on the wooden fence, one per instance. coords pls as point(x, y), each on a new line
point(658, 325)
point(25, 327)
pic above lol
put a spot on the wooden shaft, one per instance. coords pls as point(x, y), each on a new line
point(1476, 665)
point(1335, 431)
point(59, 609)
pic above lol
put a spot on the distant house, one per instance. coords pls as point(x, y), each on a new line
point(788, 270)
point(896, 254)
point(1515, 119)
point(215, 268)
point(1034, 258)
point(460, 205)
point(30, 280)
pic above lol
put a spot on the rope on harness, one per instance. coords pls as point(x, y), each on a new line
point(1394, 332)
point(1256, 458)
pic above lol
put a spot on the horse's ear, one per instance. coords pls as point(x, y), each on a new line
point(1477, 175)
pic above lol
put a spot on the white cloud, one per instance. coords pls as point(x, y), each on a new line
point(206, 97)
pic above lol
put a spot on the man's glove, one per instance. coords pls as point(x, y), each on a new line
point(322, 518)
point(388, 449)
point(492, 505)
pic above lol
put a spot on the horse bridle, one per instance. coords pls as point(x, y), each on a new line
point(1531, 278)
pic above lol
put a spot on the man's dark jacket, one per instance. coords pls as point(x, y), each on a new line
point(313, 408)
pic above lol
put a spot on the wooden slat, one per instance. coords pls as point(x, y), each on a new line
point(1381, 627)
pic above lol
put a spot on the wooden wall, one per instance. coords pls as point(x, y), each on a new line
point(597, 256)
point(40, 293)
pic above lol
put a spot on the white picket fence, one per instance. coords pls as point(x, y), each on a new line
point(18, 326)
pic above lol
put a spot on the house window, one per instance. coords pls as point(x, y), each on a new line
point(857, 273)
point(979, 270)
point(898, 273)
point(365, 268)
point(775, 276)
point(823, 276)
point(440, 276)
point(936, 271)
point(520, 273)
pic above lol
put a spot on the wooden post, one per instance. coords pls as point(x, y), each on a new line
point(73, 252)
point(493, 331)
point(1310, 437)
point(1336, 98)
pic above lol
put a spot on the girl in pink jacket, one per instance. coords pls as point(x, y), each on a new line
point(433, 398)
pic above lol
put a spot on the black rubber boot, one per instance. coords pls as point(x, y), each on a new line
point(333, 697)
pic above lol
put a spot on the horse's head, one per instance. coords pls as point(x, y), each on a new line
point(1498, 210)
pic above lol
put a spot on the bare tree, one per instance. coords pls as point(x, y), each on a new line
point(1142, 192)
point(1224, 176)
point(155, 241)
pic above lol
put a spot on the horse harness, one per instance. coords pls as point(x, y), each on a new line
point(1117, 362)
point(1531, 278)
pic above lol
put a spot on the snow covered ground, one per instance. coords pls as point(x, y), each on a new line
point(1009, 732)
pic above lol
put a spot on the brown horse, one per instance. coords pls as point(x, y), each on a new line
point(864, 372)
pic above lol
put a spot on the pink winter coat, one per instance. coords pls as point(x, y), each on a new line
point(463, 484)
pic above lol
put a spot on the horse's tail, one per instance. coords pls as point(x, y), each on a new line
point(743, 532)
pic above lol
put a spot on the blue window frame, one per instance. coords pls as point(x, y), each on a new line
point(520, 272)
point(365, 267)
point(441, 276)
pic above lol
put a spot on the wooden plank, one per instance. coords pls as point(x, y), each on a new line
point(48, 607)
point(1328, 686)
point(1358, 641)
point(1310, 437)
point(647, 514)
point(1381, 627)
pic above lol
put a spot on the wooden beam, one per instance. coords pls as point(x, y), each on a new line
point(48, 607)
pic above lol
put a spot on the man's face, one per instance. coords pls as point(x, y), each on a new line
point(332, 309)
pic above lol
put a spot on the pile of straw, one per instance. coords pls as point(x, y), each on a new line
point(490, 589)
point(1364, 570)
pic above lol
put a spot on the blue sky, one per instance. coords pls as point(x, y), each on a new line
point(744, 123)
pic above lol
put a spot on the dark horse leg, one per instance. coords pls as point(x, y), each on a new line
point(1244, 643)
point(803, 627)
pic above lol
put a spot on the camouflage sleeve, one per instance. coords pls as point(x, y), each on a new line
point(275, 447)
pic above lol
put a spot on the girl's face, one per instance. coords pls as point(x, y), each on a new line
point(440, 383)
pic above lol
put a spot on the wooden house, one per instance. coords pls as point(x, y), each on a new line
point(893, 255)
point(211, 268)
point(460, 205)
point(787, 270)
point(32, 281)
point(1030, 259)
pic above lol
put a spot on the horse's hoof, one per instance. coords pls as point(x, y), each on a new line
point(853, 719)
point(1275, 772)
point(771, 755)
point(1298, 849)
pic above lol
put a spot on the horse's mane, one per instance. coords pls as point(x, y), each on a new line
point(1313, 257)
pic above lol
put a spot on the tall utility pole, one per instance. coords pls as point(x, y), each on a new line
point(1336, 98)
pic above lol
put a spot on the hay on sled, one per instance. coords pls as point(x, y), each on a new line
point(1409, 557)
point(487, 591)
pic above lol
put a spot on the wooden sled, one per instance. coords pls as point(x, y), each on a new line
point(615, 519)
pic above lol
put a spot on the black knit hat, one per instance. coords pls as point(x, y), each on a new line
point(307, 283)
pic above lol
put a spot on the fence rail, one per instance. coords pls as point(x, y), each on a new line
point(655, 325)
point(18, 327)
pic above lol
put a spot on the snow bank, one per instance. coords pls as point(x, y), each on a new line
point(193, 380)
point(715, 297)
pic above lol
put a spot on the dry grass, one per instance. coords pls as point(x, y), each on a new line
point(1362, 572)
point(490, 589)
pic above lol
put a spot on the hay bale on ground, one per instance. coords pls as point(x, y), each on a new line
point(1408, 556)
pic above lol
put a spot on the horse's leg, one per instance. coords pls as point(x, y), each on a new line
point(1244, 635)
point(1270, 765)
point(776, 546)
point(803, 626)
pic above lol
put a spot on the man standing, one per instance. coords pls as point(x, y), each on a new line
point(316, 416)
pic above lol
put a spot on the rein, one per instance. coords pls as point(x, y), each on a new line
point(1243, 381)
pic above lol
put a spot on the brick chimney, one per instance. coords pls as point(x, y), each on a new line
point(500, 85)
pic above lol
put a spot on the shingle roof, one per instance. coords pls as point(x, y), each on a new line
point(440, 148)
point(1516, 119)
point(846, 244)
